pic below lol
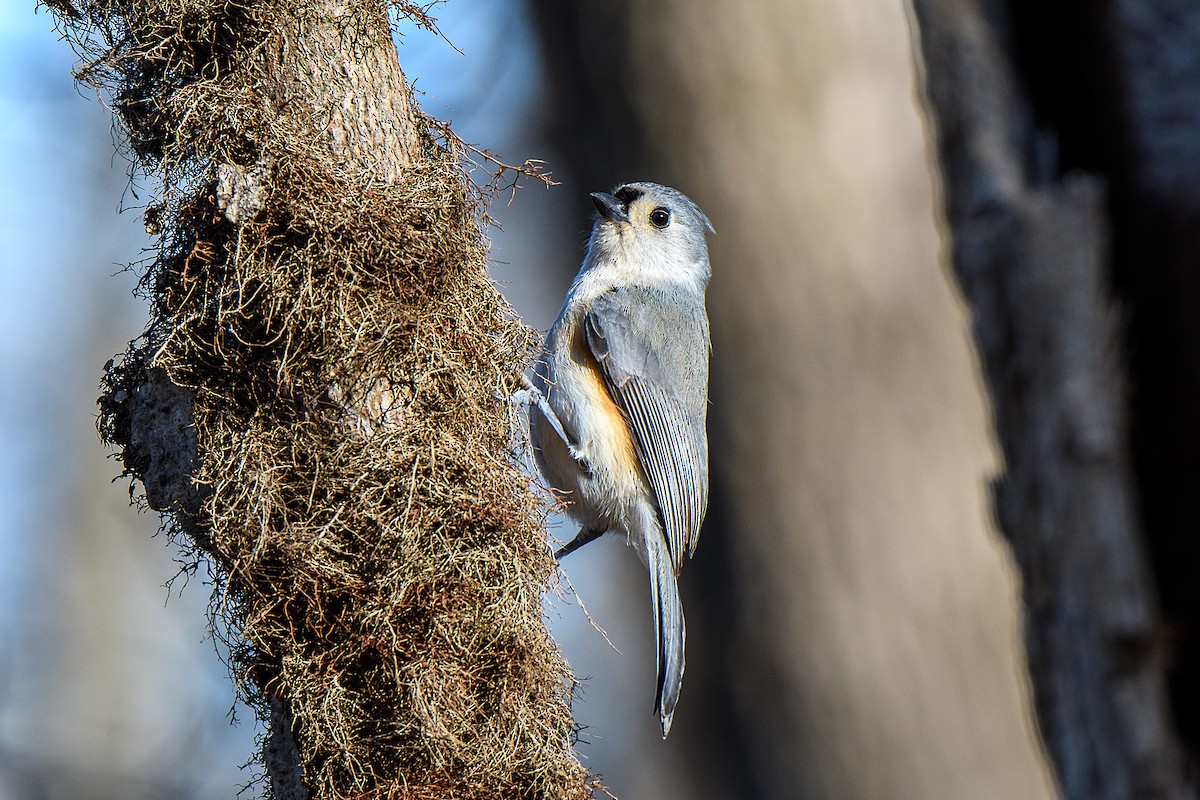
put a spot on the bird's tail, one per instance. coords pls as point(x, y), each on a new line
point(668, 629)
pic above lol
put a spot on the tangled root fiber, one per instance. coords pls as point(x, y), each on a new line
point(336, 353)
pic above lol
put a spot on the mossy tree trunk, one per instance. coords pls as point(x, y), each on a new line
point(314, 403)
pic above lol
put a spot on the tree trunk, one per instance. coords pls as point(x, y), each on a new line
point(1031, 240)
point(314, 402)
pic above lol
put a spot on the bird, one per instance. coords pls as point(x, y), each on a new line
point(620, 397)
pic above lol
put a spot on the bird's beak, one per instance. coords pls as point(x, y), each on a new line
point(609, 207)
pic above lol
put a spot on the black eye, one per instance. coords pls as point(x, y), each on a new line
point(660, 218)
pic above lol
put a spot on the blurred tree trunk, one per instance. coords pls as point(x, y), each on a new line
point(854, 618)
point(1033, 134)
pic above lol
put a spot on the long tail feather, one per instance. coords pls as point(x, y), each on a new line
point(668, 630)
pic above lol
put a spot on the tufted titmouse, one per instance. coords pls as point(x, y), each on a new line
point(620, 397)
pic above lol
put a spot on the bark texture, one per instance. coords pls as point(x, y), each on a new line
point(345, 77)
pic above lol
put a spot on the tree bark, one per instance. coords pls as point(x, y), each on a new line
point(338, 72)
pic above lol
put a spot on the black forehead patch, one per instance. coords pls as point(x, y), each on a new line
point(627, 194)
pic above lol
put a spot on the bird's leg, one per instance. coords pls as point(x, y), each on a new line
point(536, 397)
point(584, 536)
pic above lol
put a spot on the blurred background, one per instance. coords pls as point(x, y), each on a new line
point(854, 626)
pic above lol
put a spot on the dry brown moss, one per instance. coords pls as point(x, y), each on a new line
point(381, 557)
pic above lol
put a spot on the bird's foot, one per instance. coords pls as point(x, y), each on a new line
point(584, 536)
point(532, 394)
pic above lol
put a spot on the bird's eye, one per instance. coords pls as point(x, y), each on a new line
point(660, 218)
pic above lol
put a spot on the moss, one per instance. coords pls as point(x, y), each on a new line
point(380, 555)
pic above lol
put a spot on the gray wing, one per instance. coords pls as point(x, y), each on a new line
point(653, 354)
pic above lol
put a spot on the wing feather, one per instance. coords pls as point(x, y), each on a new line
point(662, 396)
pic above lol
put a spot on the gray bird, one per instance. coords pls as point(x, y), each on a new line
point(621, 395)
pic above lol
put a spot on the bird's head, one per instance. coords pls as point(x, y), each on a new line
point(650, 234)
